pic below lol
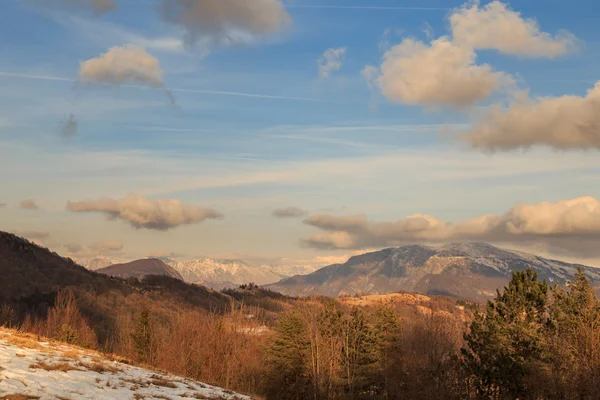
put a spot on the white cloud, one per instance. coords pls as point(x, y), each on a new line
point(441, 73)
point(566, 122)
point(143, 213)
point(225, 21)
point(128, 64)
point(28, 205)
point(497, 27)
point(331, 61)
point(566, 225)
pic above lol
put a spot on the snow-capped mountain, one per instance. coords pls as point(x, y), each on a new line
point(98, 262)
point(207, 270)
point(469, 270)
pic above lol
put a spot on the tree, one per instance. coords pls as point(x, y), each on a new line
point(507, 342)
point(142, 337)
point(288, 357)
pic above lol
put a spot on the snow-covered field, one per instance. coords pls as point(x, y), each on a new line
point(48, 370)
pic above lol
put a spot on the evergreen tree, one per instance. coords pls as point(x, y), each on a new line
point(506, 342)
point(142, 337)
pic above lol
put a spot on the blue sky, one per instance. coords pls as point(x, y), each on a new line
point(256, 128)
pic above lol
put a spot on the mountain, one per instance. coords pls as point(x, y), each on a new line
point(140, 268)
point(98, 262)
point(468, 270)
point(225, 273)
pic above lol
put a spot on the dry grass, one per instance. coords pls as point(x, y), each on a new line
point(71, 354)
point(18, 397)
point(98, 367)
point(63, 367)
point(138, 396)
point(27, 341)
point(160, 381)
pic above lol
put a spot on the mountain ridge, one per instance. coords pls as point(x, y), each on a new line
point(468, 270)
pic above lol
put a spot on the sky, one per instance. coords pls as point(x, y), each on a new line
point(300, 130)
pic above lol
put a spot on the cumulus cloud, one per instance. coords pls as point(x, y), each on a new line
point(28, 205)
point(568, 225)
point(497, 27)
point(225, 21)
point(567, 122)
point(106, 247)
point(143, 213)
point(128, 64)
point(288, 212)
point(441, 73)
point(330, 61)
point(69, 127)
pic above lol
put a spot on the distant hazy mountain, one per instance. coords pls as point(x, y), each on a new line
point(467, 270)
point(140, 268)
point(225, 273)
point(98, 262)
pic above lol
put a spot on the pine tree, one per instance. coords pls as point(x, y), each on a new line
point(142, 337)
point(506, 342)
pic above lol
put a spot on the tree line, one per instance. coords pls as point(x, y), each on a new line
point(533, 341)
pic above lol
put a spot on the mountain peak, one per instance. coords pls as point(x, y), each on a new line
point(471, 270)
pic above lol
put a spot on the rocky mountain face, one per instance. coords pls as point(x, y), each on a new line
point(140, 268)
point(468, 270)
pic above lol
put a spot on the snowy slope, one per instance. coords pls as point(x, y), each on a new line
point(58, 371)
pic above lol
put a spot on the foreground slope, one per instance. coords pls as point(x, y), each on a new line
point(140, 269)
point(50, 370)
point(468, 270)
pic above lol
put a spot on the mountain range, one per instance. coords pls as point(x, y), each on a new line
point(468, 270)
point(214, 273)
point(140, 268)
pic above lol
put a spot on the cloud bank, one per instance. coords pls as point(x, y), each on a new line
point(225, 21)
point(566, 226)
point(143, 213)
point(497, 27)
point(28, 205)
point(566, 122)
point(330, 61)
point(288, 212)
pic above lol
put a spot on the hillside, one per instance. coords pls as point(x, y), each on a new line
point(467, 270)
point(51, 370)
point(140, 268)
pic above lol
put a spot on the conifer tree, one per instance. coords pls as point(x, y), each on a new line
point(507, 341)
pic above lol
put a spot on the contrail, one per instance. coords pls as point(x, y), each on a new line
point(209, 92)
point(370, 7)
